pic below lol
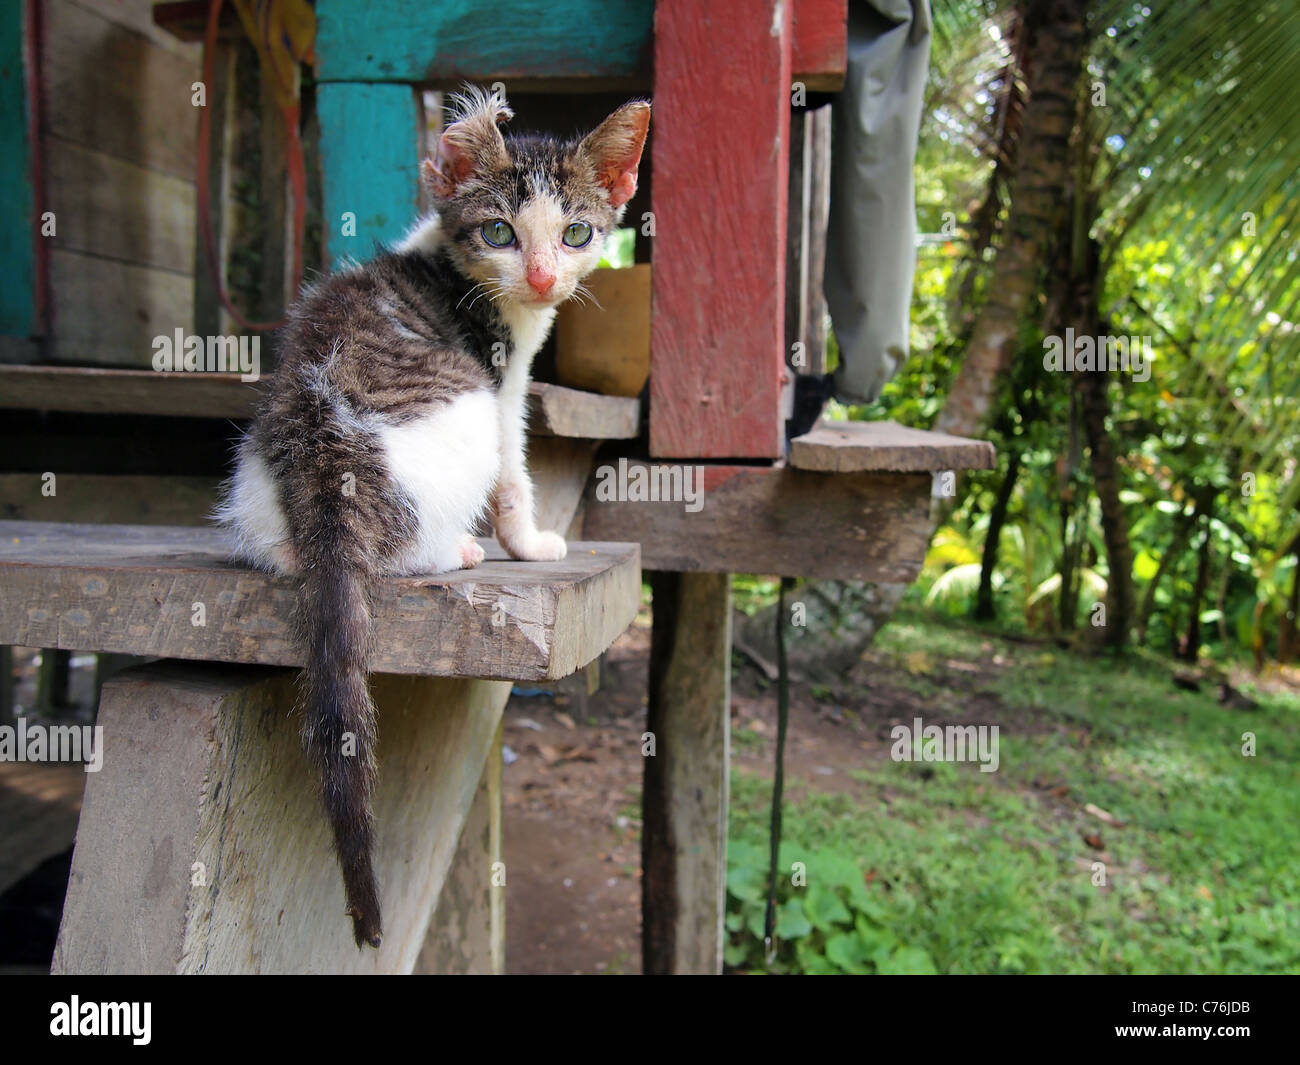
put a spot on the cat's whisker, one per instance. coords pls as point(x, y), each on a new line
point(585, 291)
point(476, 285)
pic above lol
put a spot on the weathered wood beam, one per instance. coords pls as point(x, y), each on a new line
point(755, 519)
point(170, 592)
point(467, 933)
point(109, 498)
point(684, 799)
point(553, 409)
point(581, 45)
point(234, 871)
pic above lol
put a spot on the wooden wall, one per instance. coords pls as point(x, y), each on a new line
point(118, 141)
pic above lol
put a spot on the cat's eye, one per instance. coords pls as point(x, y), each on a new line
point(497, 232)
point(578, 235)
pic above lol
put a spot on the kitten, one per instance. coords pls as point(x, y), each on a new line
point(395, 419)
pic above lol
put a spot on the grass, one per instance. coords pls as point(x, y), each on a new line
point(990, 872)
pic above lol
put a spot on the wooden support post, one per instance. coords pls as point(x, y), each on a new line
point(203, 847)
point(371, 137)
point(805, 305)
point(467, 935)
point(722, 122)
point(52, 679)
point(6, 685)
point(210, 317)
point(684, 801)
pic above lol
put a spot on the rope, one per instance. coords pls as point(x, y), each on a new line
point(778, 775)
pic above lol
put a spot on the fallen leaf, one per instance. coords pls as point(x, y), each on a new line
point(1102, 815)
point(1094, 840)
point(565, 720)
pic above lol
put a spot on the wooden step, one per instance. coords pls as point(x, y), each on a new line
point(853, 504)
point(553, 409)
point(886, 447)
point(143, 590)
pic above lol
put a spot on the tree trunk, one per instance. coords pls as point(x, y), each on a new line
point(1192, 645)
point(1093, 387)
point(1067, 600)
point(1182, 533)
point(1054, 48)
point(1286, 631)
point(984, 608)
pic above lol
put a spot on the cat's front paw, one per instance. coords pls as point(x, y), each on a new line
point(539, 547)
point(471, 554)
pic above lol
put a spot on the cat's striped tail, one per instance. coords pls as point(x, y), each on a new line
point(339, 718)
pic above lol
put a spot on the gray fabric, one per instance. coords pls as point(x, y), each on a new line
point(871, 237)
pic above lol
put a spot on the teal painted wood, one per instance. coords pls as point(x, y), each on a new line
point(17, 203)
point(454, 40)
point(370, 166)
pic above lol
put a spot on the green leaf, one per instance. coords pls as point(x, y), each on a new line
point(846, 951)
point(791, 923)
point(824, 909)
point(908, 961)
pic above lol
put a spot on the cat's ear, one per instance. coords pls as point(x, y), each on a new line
point(470, 143)
point(614, 150)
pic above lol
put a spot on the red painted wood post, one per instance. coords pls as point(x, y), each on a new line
point(721, 160)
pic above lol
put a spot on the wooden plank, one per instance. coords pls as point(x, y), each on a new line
point(855, 447)
point(110, 88)
point(820, 49)
point(119, 499)
point(369, 138)
point(722, 121)
point(467, 931)
point(210, 316)
point(583, 44)
point(684, 799)
point(234, 872)
point(553, 409)
point(18, 196)
point(818, 163)
point(109, 312)
point(132, 589)
point(92, 390)
point(604, 346)
point(559, 469)
point(138, 16)
point(861, 526)
point(277, 287)
point(119, 210)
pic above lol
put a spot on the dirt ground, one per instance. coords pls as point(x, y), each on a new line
point(572, 819)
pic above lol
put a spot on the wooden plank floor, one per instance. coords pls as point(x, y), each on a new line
point(138, 589)
point(39, 806)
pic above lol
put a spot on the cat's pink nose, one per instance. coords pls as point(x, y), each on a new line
point(541, 280)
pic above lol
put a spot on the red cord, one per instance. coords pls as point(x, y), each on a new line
point(297, 181)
